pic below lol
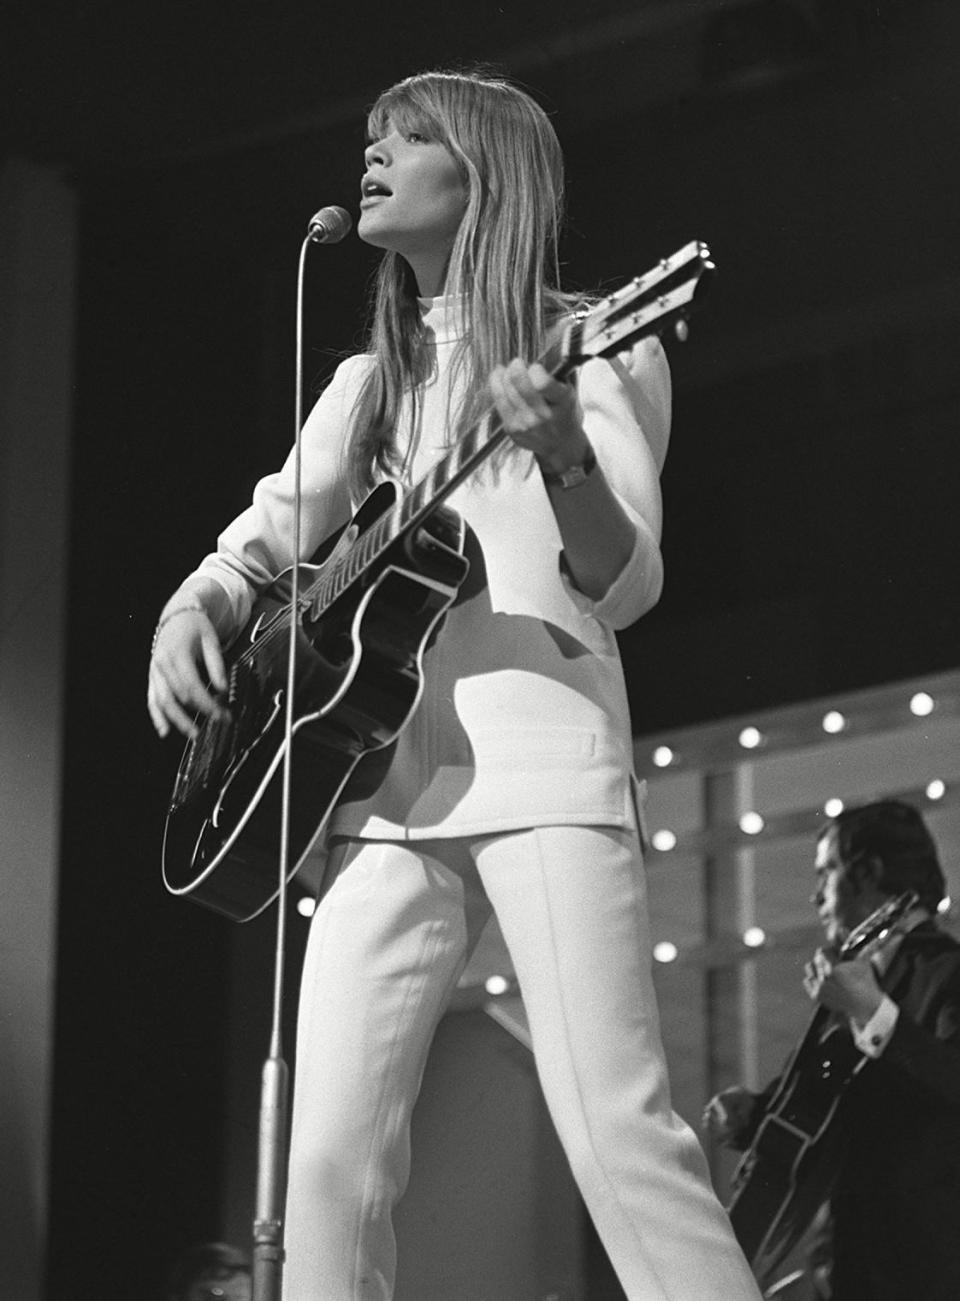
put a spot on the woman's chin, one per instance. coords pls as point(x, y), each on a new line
point(372, 232)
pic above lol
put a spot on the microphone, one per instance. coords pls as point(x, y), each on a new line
point(329, 225)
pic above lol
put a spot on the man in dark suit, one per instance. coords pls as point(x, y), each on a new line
point(895, 1208)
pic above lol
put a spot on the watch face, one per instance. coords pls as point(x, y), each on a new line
point(576, 474)
point(571, 477)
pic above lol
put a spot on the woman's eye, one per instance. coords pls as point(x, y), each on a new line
point(416, 137)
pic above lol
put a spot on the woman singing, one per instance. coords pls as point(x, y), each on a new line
point(511, 788)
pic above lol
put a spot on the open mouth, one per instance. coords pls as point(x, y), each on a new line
point(372, 189)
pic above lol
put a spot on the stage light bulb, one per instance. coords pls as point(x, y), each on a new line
point(665, 951)
point(833, 722)
point(750, 738)
point(751, 823)
point(664, 840)
point(936, 789)
point(921, 704)
point(496, 985)
point(306, 906)
point(833, 808)
point(754, 937)
point(945, 904)
point(663, 756)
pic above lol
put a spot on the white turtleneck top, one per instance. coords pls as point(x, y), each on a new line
point(523, 720)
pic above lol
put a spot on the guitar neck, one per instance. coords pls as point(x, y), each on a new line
point(642, 307)
point(466, 456)
point(426, 495)
point(878, 927)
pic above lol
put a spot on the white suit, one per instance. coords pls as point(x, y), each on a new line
point(510, 787)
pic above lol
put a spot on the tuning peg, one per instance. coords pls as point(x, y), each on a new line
point(681, 330)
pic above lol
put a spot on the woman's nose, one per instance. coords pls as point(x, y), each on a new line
point(375, 154)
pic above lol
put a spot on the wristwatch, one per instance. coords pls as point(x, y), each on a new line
point(573, 475)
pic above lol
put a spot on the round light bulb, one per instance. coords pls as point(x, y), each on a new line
point(921, 704)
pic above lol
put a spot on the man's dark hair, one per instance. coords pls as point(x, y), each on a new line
point(894, 835)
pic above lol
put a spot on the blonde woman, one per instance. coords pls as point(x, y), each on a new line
point(510, 789)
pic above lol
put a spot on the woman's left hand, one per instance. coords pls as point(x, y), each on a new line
point(540, 413)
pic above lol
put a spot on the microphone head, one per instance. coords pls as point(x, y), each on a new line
point(329, 225)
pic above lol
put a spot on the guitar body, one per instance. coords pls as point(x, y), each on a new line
point(789, 1169)
point(788, 1172)
point(358, 679)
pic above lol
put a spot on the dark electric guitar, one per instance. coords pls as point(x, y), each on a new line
point(367, 604)
point(787, 1173)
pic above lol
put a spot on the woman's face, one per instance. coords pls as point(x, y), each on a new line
point(413, 196)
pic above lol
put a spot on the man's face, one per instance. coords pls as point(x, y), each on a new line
point(839, 897)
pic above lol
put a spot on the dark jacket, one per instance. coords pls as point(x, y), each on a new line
point(896, 1206)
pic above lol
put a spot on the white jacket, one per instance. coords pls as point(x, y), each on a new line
point(523, 719)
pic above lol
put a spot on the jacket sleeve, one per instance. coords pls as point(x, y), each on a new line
point(927, 1050)
point(626, 407)
point(258, 544)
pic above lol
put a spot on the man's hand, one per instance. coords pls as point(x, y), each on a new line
point(728, 1115)
point(849, 988)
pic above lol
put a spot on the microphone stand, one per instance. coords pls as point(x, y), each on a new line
point(268, 1249)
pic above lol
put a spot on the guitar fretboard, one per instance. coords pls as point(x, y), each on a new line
point(466, 456)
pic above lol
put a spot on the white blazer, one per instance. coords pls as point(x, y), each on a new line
point(523, 719)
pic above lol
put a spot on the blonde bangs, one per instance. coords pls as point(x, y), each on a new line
point(410, 107)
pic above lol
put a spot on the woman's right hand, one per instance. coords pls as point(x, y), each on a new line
point(728, 1115)
point(186, 640)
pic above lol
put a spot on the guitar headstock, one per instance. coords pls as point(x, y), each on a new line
point(663, 296)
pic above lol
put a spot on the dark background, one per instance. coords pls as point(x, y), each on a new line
point(811, 532)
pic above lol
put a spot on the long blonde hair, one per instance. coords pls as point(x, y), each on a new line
point(503, 262)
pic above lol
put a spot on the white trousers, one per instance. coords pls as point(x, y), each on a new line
point(387, 945)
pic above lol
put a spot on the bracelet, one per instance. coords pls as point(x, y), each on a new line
point(181, 609)
point(573, 475)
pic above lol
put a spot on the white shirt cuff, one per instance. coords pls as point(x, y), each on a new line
point(873, 1037)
